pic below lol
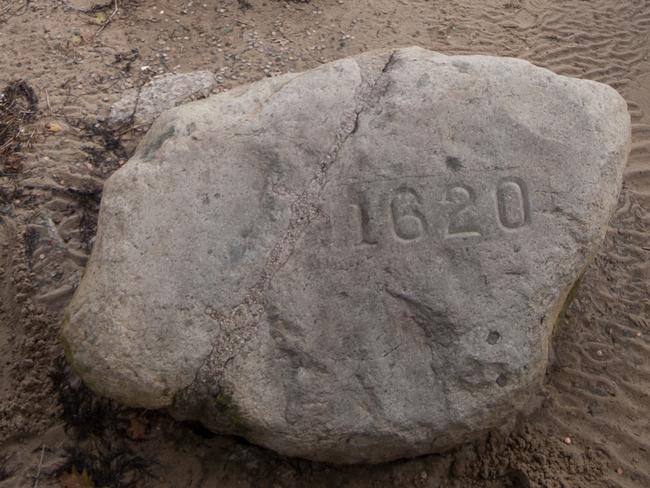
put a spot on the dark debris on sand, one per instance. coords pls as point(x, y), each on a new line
point(18, 105)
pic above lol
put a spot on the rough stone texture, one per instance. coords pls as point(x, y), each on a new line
point(354, 264)
point(160, 94)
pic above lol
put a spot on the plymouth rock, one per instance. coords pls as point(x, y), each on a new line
point(357, 263)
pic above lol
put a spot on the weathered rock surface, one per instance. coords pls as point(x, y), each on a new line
point(162, 93)
point(353, 264)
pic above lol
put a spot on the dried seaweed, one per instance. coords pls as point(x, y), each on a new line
point(96, 425)
point(108, 464)
point(18, 105)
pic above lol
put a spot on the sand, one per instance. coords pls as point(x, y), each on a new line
point(589, 427)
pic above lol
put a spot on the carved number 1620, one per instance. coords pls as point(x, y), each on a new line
point(409, 222)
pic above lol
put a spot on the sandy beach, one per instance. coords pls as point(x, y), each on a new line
point(588, 428)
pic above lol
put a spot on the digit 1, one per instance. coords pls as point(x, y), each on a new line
point(368, 231)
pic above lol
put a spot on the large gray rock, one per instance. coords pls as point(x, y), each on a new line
point(353, 264)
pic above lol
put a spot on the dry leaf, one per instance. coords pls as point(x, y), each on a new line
point(54, 126)
point(75, 479)
point(137, 429)
point(99, 18)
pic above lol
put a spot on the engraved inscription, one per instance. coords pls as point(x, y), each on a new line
point(463, 219)
point(411, 214)
point(513, 203)
point(409, 223)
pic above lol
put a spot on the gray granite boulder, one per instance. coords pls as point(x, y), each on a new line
point(357, 263)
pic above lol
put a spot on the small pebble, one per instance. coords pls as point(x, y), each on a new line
point(567, 440)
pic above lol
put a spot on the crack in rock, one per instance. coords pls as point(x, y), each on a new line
point(304, 210)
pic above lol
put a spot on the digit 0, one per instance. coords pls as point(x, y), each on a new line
point(513, 203)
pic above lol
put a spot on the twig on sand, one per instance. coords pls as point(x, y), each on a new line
point(108, 21)
point(133, 127)
point(47, 99)
point(40, 465)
